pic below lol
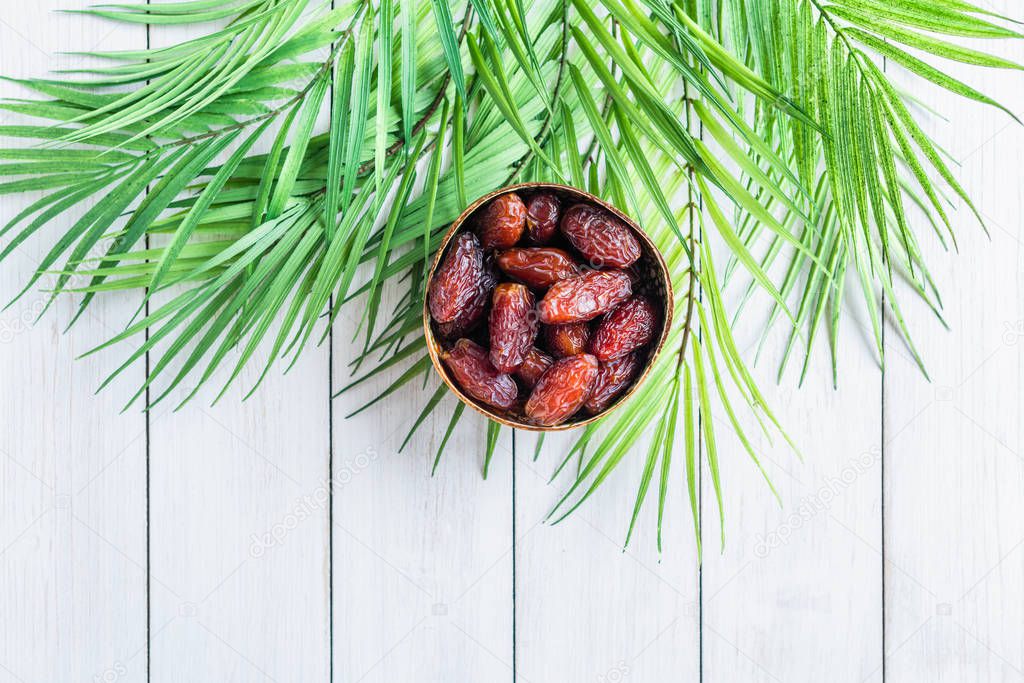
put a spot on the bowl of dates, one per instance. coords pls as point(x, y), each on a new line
point(546, 307)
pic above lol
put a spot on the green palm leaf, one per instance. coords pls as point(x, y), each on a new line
point(764, 129)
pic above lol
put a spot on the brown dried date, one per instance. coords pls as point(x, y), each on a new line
point(474, 311)
point(539, 267)
point(584, 297)
point(612, 379)
point(472, 369)
point(567, 340)
point(562, 390)
point(600, 237)
point(628, 327)
point(457, 280)
point(513, 326)
point(543, 308)
point(542, 217)
point(502, 222)
point(533, 366)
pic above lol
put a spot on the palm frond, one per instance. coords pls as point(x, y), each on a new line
point(764, 129)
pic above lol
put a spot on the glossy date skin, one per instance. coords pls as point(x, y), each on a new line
point(513, 326)
point(472, 369)
point(628, 327)
point(534, 365)
point(538, 268)
point(458, 279)
point(540, 310)
point(562, 390)
point(613, 377)
point(474, 312)
point(542, 213)
point(566, 340)
point(584, 297)
point(502, 222)
point(601, 237)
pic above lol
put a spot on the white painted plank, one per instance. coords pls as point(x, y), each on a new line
point(239, 533)
point(954, 514)
point(422, 565)
point(796, 594)
point(72, 471)
point(586, 610)
point(238, 528)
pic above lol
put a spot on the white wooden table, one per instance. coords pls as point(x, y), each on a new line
point(203, 545)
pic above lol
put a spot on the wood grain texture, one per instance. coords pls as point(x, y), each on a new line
point(72, 471)
point(796, 593)
point(269, 559)
point(422, 565)
point(954, 470)
point(585, 609)
point(239, 520)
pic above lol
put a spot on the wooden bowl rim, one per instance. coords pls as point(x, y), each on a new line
point(434, 346)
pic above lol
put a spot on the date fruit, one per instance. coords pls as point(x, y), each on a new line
point(513, 326)
point(628, 327)
point(474, 312)
point(535, 364)
point(562, 390)
point(538, 268)
point(542, 217)
point(502, 222)
point(541, 308)
point(472, 369)
point(584, 297)
point(601, 237)
point(567, 340)
point(612, 379)
point(458, 279)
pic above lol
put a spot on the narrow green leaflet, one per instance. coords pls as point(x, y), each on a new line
point(408, 66)
point(385, 20)
point(297, 151)
point(360, 97)
point(450, 44)
point(344, 71)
